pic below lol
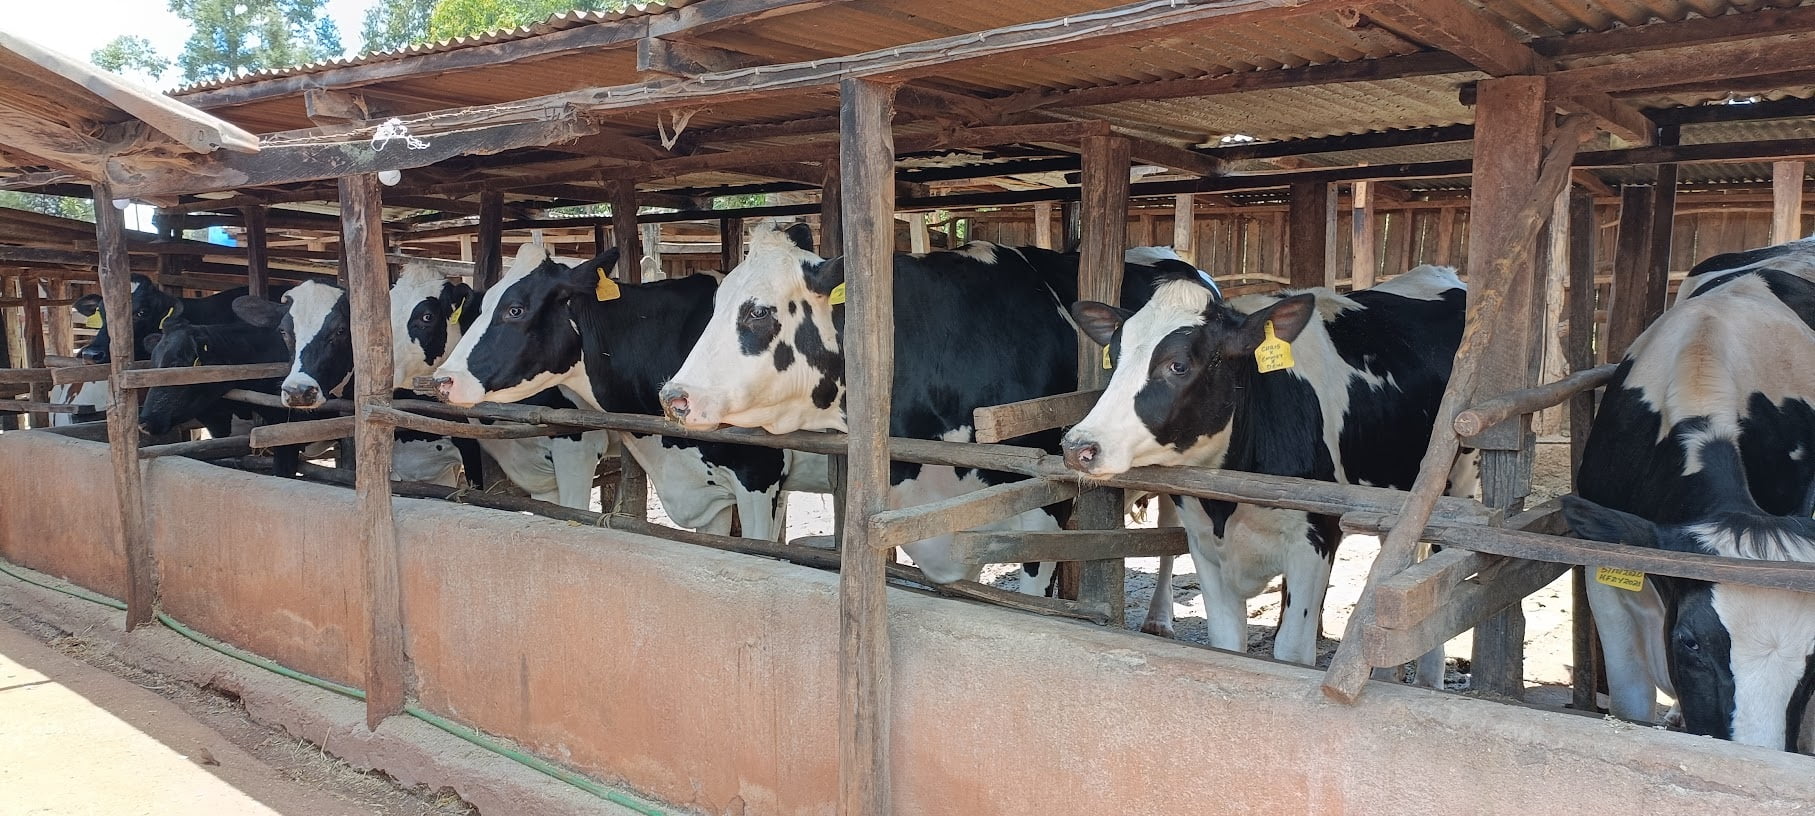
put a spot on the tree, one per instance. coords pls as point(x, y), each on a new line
point(394, 24)
point(463, 18)
point(80, 209)
point(127, 53)
point(233, 37)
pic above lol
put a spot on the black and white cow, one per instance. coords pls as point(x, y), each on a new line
point(547, 325)
point(976, 326)
point(1741, 658)
point(1355, 406)
point(181, 344)
point(151, 307)
point(1734, 358)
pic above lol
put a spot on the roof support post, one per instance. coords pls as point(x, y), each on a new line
point(1184, 226)
point(730, 243)
point(369, 295)
point(1584, 232)
point(624, 230)
point(488, 263)
point(258, 271)
point(867, 160)
point(123, 413)
point(1362, 245)
point(1042, 225)
point(34, 340)
point(831, 212)
point(1311, 235)
point(1786, 201)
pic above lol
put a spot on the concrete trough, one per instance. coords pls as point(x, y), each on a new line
point(707, 680)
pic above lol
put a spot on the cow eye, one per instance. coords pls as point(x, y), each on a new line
point(515, 311)
point(761, 313)
point(1177, 369)
point(428, 317)
point(1688, 641)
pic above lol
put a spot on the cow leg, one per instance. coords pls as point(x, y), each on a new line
point(1159, 607)
point(758, 510)
point(1307, 579)
point(575, 462)
point(1037, 579)
point(1631, 626)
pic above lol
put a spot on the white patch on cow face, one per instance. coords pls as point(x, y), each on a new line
point(466, 389)
point(415, 284)
point(1773, 633)
point(311, 303)
point(726, 383)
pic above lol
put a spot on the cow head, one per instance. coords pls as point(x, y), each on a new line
point(151, 307)
point(524, 339)
point(313, 320)
point(168, 406)
point(426, 311)
point(1742, 658)
point(1181, 365)
point(770, 356)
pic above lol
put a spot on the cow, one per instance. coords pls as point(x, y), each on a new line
point(547, 325)
point(1311, 384)
point(1736, 354)
point(181, 344)
point(151, 307)
point(976, 326)
point(315, 322)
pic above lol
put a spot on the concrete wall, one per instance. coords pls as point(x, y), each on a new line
point(707, 679)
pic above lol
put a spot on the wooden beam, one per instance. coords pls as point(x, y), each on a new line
point(324, 106)
point(1694, 31)
point(866, 155)
point(624, 230)
point(222, 448)
point(59, 324)
point(368, 290)
point(1709, 62)
point(920, 241)
point(894, 528)
point(1000, 423)
point(1487, 413)
point(1786, 201)
point(1363, 252)
point(1630, 307)
point(1310, 234)
point(1588, 180)
point(195, 375)
point(488, 265)
point(1184, 226)
point(730, 243)
point(1043, 232)
point(831, 210)
point(123, 412)
point(1018, 547)
point(258, 272)
point(669, 58)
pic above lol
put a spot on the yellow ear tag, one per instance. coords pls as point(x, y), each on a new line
point(1273, 353)
point(1629, 580)
point(837, 294)
point(455, 317)
point(93, 321)
point(1106, 363)
point(166, 317)
point(607, 288)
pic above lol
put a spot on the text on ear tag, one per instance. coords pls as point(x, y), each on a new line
point(166, 317)
point(607, 288)
point(1629, 580)
point(1273, 353)
point(837, 294)
point(1106, 364)
point(93, 321)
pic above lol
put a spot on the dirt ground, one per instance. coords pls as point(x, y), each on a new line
point(265, 770)
point(1547, 612)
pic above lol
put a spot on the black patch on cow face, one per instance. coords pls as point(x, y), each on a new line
point(829, 363)
point(757, 327)
point(784, 357)
point(529, 333)
point(328, 356)
point(1701, 665)
point(427, 329)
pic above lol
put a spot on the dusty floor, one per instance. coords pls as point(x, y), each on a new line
point(82, 733)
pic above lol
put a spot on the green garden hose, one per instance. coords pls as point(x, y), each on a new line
point(451, 727)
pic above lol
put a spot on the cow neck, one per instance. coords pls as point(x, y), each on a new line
point(1277, 426)
point(633, 344)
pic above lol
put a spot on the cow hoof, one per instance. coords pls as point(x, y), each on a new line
point(1673, 719)
point(1164, 629)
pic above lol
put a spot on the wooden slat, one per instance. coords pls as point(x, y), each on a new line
point(464, 430)
point(1786, 201)
point(258, 271)
point(1015, 547)
point(894, 528)
point(1487, 413)
point(194, 375)
point(624, 230)
point(1711, 62)
point(1631, 307)
point(1502, 585)
point(27, 406)
point(1311, 234)
point(1362, 251)
point(867, 171)
point(222, 448)
point(25, 376)
point(999, 423)
point(302, 432)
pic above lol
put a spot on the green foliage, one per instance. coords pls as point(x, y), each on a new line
point(733, 202)
point(128, 53)
point(464, 18)
point(80, 209)
point(237, 36)
point(394, 24)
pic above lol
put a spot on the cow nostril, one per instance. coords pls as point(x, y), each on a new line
point(444, 386)
point(679, 407)
point(1079, 456)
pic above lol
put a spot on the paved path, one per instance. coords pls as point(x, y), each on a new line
point(77, 740)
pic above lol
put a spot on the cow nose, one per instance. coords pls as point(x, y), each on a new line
point(299, 396)
point(675, 402)
point(1081, 455)
point(93, 355)
point(444, 387)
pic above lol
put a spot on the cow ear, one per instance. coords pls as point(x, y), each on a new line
point(586, 277)
point(802, 236)
point(454, 294)
point(87, 305)
point(1597, 523)
point(258, 311)
point(826, 278)
point(1288, 317)
point(152, 340)
point(1099, 321)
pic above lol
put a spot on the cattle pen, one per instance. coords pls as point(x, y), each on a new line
point(726, 675)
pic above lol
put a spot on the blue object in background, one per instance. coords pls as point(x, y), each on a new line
point(218, 235)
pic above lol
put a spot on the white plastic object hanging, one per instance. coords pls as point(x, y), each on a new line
point(122, 203)
point(394, 128)
point(389, 178)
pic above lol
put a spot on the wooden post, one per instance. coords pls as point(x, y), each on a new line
point(488, 263)
point(599, 243)
point(258, 271)
point(1184, 226)
point(1786, 201)
point(123, 414)
point(1549, 422)
point(1362, 254)
point(1663, 224)
point(58, 322)
point(921, 242)
point(652, 250)
point(1104, 211)
point(1630, 307)
point(34, 342)
point(730, 243)
point(1043, 225)
point(369, 293)
point(466, 252)
point(831, 213)
point(867, 157)
point(1310, 234)
point(1584, 231)
point(1070, 225)
point(1446, 238)
point(624, 230)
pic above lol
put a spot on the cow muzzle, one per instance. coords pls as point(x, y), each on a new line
point(1082, 455)
point(675, 403)
point(302, 396)
point(93, 355)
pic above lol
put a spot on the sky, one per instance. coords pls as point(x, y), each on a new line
point(77, 27)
